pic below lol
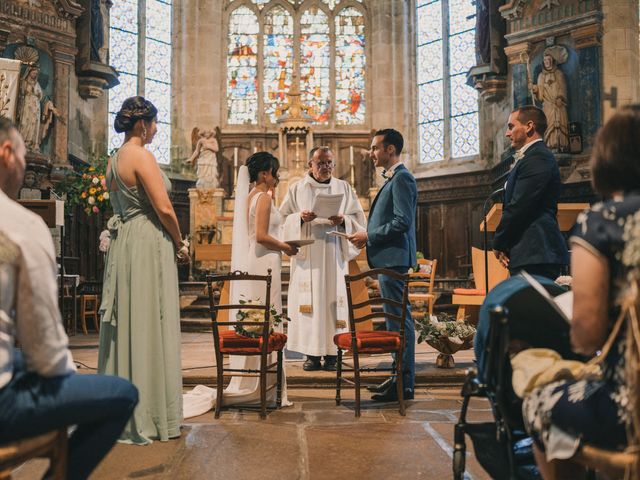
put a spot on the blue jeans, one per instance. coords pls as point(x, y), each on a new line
point(99, 405)
point(393, 289)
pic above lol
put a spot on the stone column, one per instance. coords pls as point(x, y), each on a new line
point(392, 98)
point(198, 83)
point(620, 53)
point(63, 58)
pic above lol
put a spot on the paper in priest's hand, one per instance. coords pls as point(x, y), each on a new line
point(326, 205)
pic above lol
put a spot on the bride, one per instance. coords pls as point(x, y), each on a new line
point(256, 248)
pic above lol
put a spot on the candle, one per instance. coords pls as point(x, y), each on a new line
point(235, 157)
point(351, 155)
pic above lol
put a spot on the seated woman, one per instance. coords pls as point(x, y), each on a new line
point(562, 415)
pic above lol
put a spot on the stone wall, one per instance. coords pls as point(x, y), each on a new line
point(620, 52)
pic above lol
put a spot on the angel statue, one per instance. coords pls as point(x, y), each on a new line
point(205, 157)
point(551, 89)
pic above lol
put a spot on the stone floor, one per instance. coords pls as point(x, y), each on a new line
point(313, 439)
point(198, 365)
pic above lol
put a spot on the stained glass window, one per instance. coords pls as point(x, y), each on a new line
point(350, 64)
point(315, 61)
point(242, 67)
point(125, 36)
point(278, 60)
point(447, 106)
point(267, 46)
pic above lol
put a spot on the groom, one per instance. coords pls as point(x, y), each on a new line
point(391, 243)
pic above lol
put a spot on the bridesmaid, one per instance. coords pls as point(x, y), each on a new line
point(140, 334)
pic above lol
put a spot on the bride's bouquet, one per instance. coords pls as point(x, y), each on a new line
point(256, 315)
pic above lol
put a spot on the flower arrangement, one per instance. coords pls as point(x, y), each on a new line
point(87, 187)
point(256, 315)
point(446, 334)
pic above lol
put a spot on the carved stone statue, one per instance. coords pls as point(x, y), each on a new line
point(551, 90)
point(99, 30)
point(205, 157)
point(29, 113)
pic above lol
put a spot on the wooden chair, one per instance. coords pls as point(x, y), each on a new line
point(51, 445)
point(89, 308)
point(423, 280)
point(470, 299)
point(228, 342)
point(367, 342)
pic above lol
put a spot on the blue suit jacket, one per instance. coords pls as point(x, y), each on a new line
point(528, 230)
point(391, 226)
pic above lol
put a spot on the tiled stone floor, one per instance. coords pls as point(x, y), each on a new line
point(313, 439)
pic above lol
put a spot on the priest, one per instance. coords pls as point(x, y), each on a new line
point(317, 300)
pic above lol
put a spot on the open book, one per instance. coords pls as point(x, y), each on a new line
point(562, 304)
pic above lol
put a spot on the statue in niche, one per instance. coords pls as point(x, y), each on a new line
point(29, 190)
point(29, 113)
point(551, 90)
point(205, 155)
point(99, 31)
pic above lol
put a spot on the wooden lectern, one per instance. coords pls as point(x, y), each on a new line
point(567, 214)
point(469, 300)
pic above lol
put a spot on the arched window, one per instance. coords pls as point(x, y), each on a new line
point(147, 74)
point(242, 67)
point(328, 40)
point(447, 106)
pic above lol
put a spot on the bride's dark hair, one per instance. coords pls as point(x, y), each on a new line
point(262, 162)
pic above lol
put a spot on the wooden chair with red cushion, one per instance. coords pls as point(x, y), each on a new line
point(367, 342)
point(227, 342)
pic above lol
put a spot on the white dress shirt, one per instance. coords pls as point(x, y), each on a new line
point(29, 295)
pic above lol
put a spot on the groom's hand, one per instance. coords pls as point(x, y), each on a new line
point(359, 239)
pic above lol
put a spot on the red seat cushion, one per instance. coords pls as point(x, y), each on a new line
point(231, 342)
point(468, 291)
point(369, 342)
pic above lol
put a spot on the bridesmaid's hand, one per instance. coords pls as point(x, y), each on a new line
point(183, 256)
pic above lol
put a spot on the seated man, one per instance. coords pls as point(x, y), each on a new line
point(39, 390)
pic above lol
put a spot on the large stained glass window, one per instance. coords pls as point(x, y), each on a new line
point(322, 42)
point(447, 106)
point(350, 63)
point(278, 60)
point(126, 35)
point(242, 67)
point(315, 61)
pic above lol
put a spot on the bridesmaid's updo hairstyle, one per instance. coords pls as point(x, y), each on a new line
point(134, 109)
point(262, 162)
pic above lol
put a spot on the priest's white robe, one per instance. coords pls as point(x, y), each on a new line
point(317, 298)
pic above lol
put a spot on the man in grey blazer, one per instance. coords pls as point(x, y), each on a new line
point(391, 243)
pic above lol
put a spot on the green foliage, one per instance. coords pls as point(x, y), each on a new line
point(87, 187)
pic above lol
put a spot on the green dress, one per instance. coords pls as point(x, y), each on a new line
point(140, 329)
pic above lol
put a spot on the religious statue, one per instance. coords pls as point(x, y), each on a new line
point(551, 90)
point(99, 31)
point(205, 156)
point(29, 113)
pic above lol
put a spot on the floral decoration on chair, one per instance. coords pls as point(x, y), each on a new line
point(257, 315)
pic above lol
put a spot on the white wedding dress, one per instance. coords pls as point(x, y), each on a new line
point(248, 256)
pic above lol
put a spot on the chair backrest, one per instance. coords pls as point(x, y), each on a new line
point(216, 305)
point(356, 318)
point(497, 273)
point(425, 277)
